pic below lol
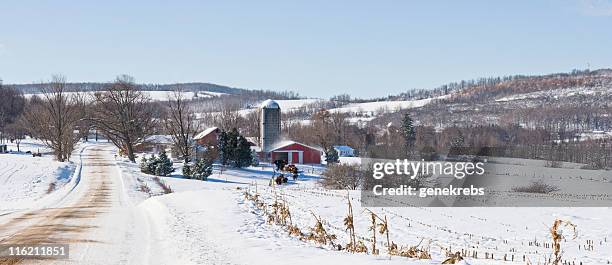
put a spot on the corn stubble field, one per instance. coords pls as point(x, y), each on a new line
point(490, 235)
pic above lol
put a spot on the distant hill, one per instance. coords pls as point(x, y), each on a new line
point(507, 86)
point(579, 101)
point(91, 86)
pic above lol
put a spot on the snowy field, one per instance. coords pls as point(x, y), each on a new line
point(286, 105)
point(211, 221)
point(380, 107)
point(26, 181)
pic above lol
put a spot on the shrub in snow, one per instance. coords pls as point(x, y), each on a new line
point(187, 172)
point(202, 169)
point(331, 155)
point(340, 177)
point(255, 160)
point(148, 166)
point(537, 187)
point(160, 166)
point(164, 165)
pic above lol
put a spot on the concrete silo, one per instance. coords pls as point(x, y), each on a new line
point(270, 124)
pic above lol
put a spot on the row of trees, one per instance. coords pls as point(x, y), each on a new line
point(122, 112)
point(12, 105)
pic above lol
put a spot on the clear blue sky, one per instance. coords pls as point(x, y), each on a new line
point(317, 48)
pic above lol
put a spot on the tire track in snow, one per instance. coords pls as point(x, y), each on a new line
point(77, 221)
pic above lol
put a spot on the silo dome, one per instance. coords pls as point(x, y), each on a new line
point(269, 104)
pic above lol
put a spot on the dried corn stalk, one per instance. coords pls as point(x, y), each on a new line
point(350, 227)
point(557, 237)
point(453, 259)
point(320, 235)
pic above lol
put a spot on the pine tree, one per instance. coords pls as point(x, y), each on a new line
point(408, 130)
point(409, 134)
point(202, 169)
point(224, 153)
point(242, 153)
point(187, 172)
point(255, 158)
point(152, 165)
point(232, 146)
point(331, 155)
point(164, 166)
point(144, 165)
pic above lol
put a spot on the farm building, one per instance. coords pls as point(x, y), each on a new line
point(294, 153)
point(155, 144)
point(208, 137)
point(273, 148)
point(344, 151)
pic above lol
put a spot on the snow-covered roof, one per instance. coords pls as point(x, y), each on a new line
point(269, 104)
point(158, 139)
point(205, 132)
point(253, 140)
point(286, 143)
point(343, 148)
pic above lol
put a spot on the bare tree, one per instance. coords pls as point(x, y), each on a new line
point(55, 117)
point(16, 132)
point(229, 117)
point(123, 114)
point(341, 176)
point(181, 123)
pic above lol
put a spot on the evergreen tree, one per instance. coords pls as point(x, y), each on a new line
point(255, 160)
point(331, 155)
point(408, 130)
point(164, 166)
point(152, 165)
point(242, 153)
point(187, 172)
point(144, 165)
point(202, 169)
point(409, 134)
point(232, 145)
point(224, 153)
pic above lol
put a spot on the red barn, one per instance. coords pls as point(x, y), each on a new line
point(208, 137)
point(294, 153)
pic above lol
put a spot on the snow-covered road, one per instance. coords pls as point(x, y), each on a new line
point(96, 218)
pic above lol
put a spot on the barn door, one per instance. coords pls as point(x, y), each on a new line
point(295, 158)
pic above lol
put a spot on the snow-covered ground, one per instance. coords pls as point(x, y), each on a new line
point(26, 181)
point(215, 214)
point(382, 106)
point(109, 219)
point(286, 105)
point(560, 93)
